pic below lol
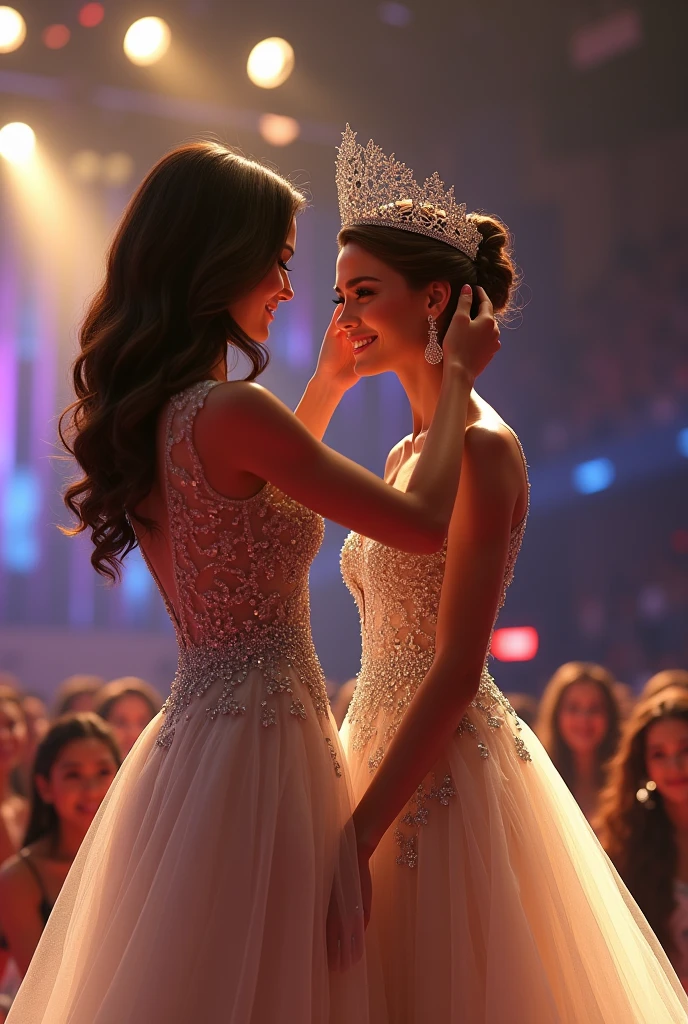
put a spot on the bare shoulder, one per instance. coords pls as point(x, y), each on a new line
point(14, 876)
point(394, 457)
point(494, 461)
point(241, 399)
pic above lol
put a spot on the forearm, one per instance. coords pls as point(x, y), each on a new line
point(419, 743)
point(317, 405)
point(435, 479)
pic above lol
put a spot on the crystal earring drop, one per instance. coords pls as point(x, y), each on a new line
point(433, 351)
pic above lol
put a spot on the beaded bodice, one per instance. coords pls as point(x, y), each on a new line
point(241, 587)
point(398, 595)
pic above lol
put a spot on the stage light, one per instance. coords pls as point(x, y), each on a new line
point(56, 36)
point(91, 15)
point(270, 63)
point(596, 475)
point(147, 40)
point(279, 130)
point(12, 29)
point(519, 643)
point(117, 169)
point(17, 142)
point(682, 442)
point(86, 166)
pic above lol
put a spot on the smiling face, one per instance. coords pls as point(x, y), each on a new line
point(583, 717)
point(255, 311)
point(79, 779)
point(384, 319)
point(666, 758)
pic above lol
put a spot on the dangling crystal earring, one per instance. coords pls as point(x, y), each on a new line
point(645, 795)
point(433, 352)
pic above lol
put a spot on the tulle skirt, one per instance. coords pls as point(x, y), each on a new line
point(493, 901)
point(200, 893)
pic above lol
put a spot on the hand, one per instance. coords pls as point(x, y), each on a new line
point(336, 359)
point(472, 343)
point(366, 885)
point(345, 924)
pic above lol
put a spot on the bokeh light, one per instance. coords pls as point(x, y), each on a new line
point(118, 169)
point(17, 142)
point(56, 36)
point(279, 130)
point(91, 15)
point(270, 62)
point(12, 29)
point(86, 166)
point(147, 40)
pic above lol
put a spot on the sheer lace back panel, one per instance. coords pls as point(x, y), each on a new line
point(398, 595)
point(241, 578)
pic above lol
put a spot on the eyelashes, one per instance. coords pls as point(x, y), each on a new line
point(284, 266)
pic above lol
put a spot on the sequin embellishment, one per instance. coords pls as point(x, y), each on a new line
point(397, 595)
point(241, 581)
point(418, 816)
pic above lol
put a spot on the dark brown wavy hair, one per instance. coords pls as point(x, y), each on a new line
point(203, 229)
point(640, 839)
point(43, 820)
point(420, 260)
point(547, 727)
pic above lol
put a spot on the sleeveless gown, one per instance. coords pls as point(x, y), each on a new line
point(201, 890)
point(492, 899)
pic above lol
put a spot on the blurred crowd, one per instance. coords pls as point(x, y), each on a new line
point(621, 362)
point(624, 757)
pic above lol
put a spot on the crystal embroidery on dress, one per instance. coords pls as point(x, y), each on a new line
point(241, 575)
point(397, 595)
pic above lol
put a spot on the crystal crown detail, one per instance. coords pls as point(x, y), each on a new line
point(380, 190)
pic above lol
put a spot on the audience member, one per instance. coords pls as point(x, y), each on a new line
point(128, 705)
point(77, 693)
point(662, 680)
point(579, 725)
point(75, 763)
point(643, 818)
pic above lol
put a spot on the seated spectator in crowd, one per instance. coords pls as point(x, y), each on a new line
point(128, 705)
point(578, 725)
point(37, 725)
point(77, 693)
point(662, 680)
point(14, 809)
point(525, 706)
point(643, 818)
point(75, 763)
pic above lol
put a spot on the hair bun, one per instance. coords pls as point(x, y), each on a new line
point(495, 267)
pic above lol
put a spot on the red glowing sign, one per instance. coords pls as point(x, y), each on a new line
point(519, 643)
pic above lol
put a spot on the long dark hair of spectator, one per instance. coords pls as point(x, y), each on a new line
point(640, 839)
point(548, 718)
point(203, 229)
point(84, 726)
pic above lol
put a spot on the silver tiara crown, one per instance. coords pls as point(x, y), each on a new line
point(379, 190)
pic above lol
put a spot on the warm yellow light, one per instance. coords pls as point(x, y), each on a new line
point(147, 40)
point(279, 130)
point(270, 63)
point(117, 169)
point(86, 165)
point(12, 29)
point(17, 142)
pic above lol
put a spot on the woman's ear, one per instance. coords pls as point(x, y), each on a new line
point(439, 293)
point(44, 789)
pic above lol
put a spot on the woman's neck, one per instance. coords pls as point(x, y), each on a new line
point(6, 791)
point(66, 843)
point(422, 383)
point(585, 768)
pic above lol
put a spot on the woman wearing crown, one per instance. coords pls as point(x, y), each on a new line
point(488, 896)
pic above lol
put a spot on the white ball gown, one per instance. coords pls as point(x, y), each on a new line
point(493, 902)
point(201, 890)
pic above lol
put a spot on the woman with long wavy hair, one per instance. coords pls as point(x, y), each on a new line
point(643, 817)
point(579, 724)
point(219, 881)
